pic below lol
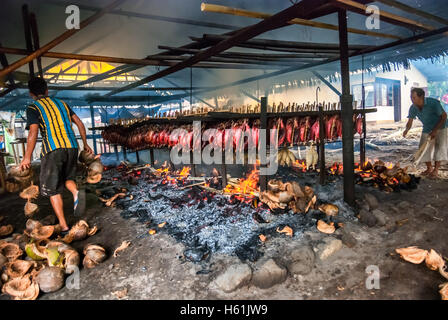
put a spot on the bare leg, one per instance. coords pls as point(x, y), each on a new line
point(58, 207)
point(435, 172)
point(71, 186)
point(428, 168)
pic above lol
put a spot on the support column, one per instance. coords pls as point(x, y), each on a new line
point(321, 146)
point(263, 126)
point(346, 112)
point(92, 117)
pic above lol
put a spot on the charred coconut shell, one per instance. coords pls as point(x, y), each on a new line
point(50, 279)
point(94, 179)
point(43, 232)
point(412, 254)
point(86, 158)
point(329, 209)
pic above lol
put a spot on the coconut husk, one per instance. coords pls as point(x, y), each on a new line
point(10, 250)
point(434, 261)
point(325, 228)
point(94, 179)
point(3, 260)
point(286, 230)
point(71, 261)
point(412, 254)
point(87, 158)
point(120, 294)
point(123, 246)
point(32, 192)
point(18, 268)
point(30, 208)
point(444, 291)
point(43, 232)
point(50, 279)
point(329, 209)
point(15, 171)
point(308, 191)
point(22, 288)
point(275, 185)
point(94, 254)
point(442, 271)
point(295, 189)
point(78, 232)
point(95, 167)
point(6, 230)
point(12, 187)
point(311, 203)
point(35, 251)
point(31, 224)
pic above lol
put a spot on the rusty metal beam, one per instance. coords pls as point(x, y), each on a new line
point(59, 39)
point(35, 33)
point(276, 21)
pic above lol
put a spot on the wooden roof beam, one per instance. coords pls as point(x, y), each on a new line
point(276, 21)
point(316, 24)
point(413, 10)
point(384, 15)
point(37, 53)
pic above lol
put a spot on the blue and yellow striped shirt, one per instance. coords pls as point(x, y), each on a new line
point(54, 119)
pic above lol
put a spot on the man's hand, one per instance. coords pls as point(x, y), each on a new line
point(433, 134)
point(25, 164)
point(405, 132)
point(88, 149)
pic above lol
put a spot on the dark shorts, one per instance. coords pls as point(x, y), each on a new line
point(57, 167)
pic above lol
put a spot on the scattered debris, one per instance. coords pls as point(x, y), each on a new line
point(120, 294)
point(123, 246)
point(286, 230)
point(325, 228)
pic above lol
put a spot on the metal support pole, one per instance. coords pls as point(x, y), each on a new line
point(321, 146)
point(29, 44)
point(137, 156)
point(224, 170)
point(116, 152)
point(263, 126)
point(92, 117)
point(362, 143)
point(151, 156)
point(125, 156)
point(346, 112)
point(33, 23)
point(193, 166)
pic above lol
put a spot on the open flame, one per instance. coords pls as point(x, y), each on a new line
point(245, 189)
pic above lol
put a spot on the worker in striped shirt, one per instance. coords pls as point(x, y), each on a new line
point(59, 155)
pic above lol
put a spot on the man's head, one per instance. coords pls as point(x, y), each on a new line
point(418, 97)
point(37, 87)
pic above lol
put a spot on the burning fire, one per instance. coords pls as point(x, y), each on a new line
point(245, 188)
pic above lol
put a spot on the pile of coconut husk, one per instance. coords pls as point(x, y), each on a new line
point(433, 261)
point(93, 166)
point(18, 179)
point(288, 195)
point(39, 259)
point(30, 193)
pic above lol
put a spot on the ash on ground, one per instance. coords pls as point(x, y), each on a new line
point(208, 223)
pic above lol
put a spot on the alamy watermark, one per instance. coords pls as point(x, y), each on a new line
point(72, 21)
point(373, 278)
point(373, 20)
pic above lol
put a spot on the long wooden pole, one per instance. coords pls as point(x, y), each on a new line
point(384, 15)
point(259, 15)
point(35, 33)
point(409, 9)
point(59, 39)
point(29, 44)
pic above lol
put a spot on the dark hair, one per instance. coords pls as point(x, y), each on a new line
point(37, 86)
point(418, 91)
